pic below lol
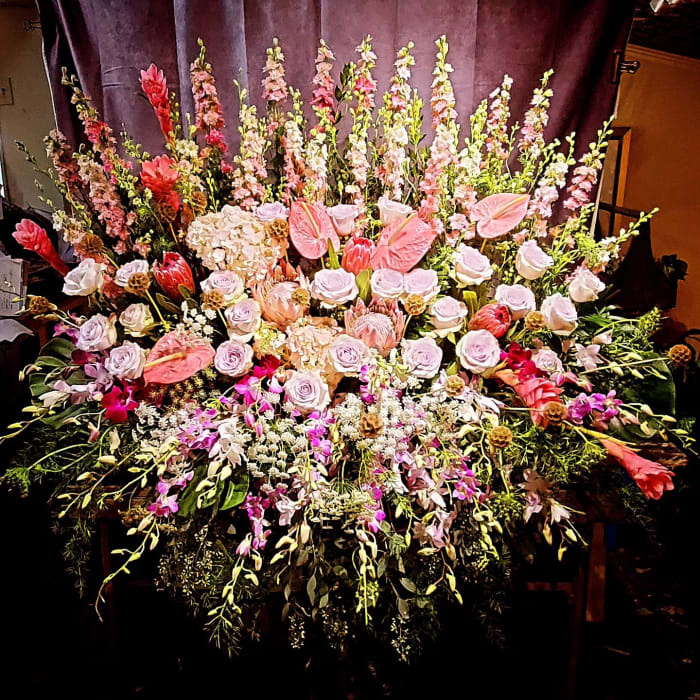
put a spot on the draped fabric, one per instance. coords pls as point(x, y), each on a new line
point(106, 42)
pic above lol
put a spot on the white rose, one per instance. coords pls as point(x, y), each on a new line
point(126, 361)
point(387, 284)
point(531, 261)
point(559, 314)
point(422, 357)
point(233, 358)
point(447, 315)
point(422, 283)
point(125, 271)
point(348, 354)
point(547, 360)
point(243, 319)
point(136, 318)
point(344, 216)
point(97, 333)
point(471, 267)
point(85, 279)
point(334, 287)
point(584, 286)
point(478, 351)
point(226, 282)
point(519, 299)
point(390, 211)
point(271, 211)
point(307, 392)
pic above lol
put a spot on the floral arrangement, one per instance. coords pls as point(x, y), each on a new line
point(352, 373)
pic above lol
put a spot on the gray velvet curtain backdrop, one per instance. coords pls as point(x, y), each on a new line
point(107, 42)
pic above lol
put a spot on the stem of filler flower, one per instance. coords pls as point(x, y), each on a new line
point(165, 323)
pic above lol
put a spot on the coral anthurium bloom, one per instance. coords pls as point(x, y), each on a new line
point(652, 477)
point(32, 237)
point(535, 393)
point(177, 356)
point(173, 273)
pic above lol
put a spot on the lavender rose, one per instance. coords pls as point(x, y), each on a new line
point(519, 299)
point(343, 216)
point(271, 211)
point(531, 261)
point(85, 279)
point(348, 354)
point(97, 333)
point(387, 284)
point(422, 357)
point(559, 314)
point(334, 287)
point(390, 211)
point(125, 271)
point(422, 283)
point(135, 319)
point(126, 361)
point(243, 319)
point(233, 358)
point(478, 351)
point(471, 267)
point(584, 286)
point(447, 315)
point(547, 360)
point(307, 392)
point(226, 282)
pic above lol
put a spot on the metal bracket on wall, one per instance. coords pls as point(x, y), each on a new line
point(620, 66)
point(32, 25)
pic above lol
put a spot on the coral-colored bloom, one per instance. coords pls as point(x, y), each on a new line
point(32, 237)
point(651, 477)
point(159, 176)
point(357, 253)
point(535, 393)
point(173, 273)
point(276, 295)
point(154, 85)
point(379, 324)
point(494, 318)
point(177, 356)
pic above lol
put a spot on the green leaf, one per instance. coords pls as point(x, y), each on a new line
point(58, 347)
point(237, 491)
point(57, 420)
point(333, 262)
point(165, 303)
point(363, 284)
point(188, 499)
point(471, 300)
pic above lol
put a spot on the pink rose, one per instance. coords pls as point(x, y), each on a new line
point(387, 284)
point(125, 271)
point(531, 261)
point(343, 216)
point(271, 211)
point(422, 357)
point(471, 267)
point(390, 211)
point(447, 315)
point(348, 354)
point(97, 333)
point(584, 286)
point(307, 391)
point(126, 361)
point(226, 282)
point(547, 360)
point(233, 358)
point(478, 351)
point(85, 279)
point(422, 283)
point(518, 298)
point(559, 314)
point(334, 287)
point(242, 320)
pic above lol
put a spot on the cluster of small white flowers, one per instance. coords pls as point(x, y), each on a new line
point(197, 321)
point(233, 239)
point(317, 162)
point(147, 414)
point(547, 192)
point(187, 150)
point(276, 451)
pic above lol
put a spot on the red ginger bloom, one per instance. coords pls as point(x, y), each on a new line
point(32, 237)
point(173, 273)
point(154, 85)
point(159, 176)
point(652, 478)
point(357, 253)
point(494, 318)
point(535, 392)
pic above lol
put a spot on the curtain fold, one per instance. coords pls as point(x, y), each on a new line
point(107, 42)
